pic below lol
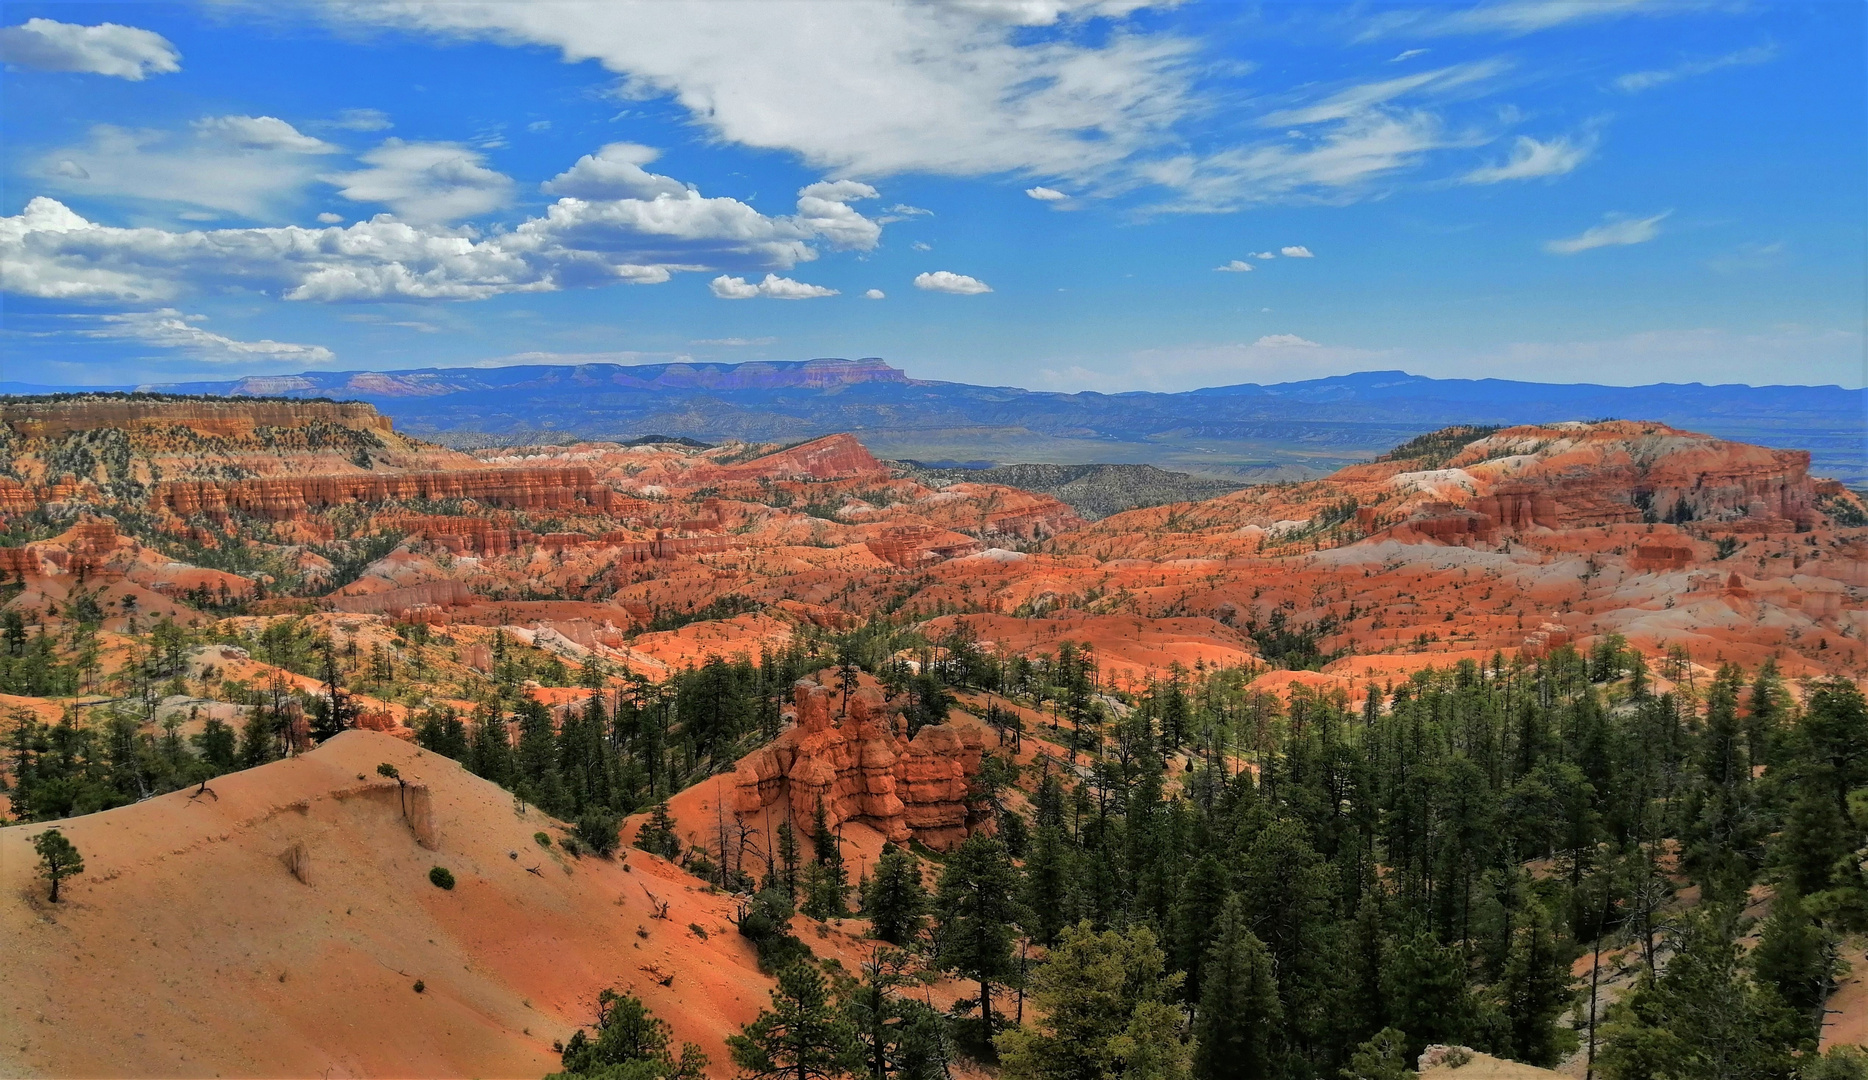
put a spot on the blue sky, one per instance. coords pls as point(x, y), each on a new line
point(1062, 194)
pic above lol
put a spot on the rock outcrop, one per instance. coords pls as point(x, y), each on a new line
point(287, 497)
point(56, 417)
point(861, 769)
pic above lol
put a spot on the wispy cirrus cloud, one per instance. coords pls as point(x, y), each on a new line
point(167, 328)
point(1636, 81)
point(1533, 159)
point(1616, 231)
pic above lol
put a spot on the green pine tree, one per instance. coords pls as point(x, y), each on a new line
point(1104, 1002)
point(58, 858)
point(1235, 1028)
point(894, 898)
point(801, 1037)
point(979, 906)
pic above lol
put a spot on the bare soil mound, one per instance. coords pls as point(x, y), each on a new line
point(190, 946)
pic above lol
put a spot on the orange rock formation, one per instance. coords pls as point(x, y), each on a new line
point(861, 769)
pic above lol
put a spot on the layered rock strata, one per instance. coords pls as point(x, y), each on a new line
point(861, 769)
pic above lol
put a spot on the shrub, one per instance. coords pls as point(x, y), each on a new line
point(420, 986)
point(543, 838)
point(441, 877)
point(597, 830)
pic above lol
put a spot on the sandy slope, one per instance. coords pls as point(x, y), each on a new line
point(188, 948)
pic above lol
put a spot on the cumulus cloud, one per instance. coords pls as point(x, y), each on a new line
point(1531, 159)
point(1261, 255)
point(124, 52)
point(614, 172)
point(426, 181)
point(51, 251)
point(1636, 81)
point(328, 218)
point(874, 294)
point(943, 281)
point(168, 328)
point(773, 287)
point(1296, 251)
point(1045, 194)
point(257, 164)
point(1614, 231)
point(1236, 266)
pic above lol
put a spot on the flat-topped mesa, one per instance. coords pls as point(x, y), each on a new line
point(57, 416)
point(860, 769)
point(286, 497)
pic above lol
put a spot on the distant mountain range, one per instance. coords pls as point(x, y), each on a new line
point(1247, 431)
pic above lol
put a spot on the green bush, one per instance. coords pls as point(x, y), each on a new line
point(441, 877)
point(597, 830)
point(543, 838)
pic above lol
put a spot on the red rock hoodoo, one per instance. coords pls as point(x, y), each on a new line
point(863, 770)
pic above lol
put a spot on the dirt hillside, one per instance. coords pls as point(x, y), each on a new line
point(188, 908)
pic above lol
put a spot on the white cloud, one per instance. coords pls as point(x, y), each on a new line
point(125, 52)
point(944, 281)
point(874, 294)
point(903, 210)
point(426, 181)
point(261, 133)
point(1338, 166)
point(1261, 255)
point(1636, 81)
point(1045, 194)
point(1615, 231)
point(328, 218)
point(1357, 100)
point(539, 125)
point(871, 89)
point(1296, 251)
point(614, 172)
point(257, 164)
point(1531, 159)
point(773, 287)
point(1515, 18)
point(1406, 54)
point(169, 329)
point(921, 245)
point(362, 120)
point(576, 243)
point(824, 209)
point(1284, 341)
point(734, 342)
point(1236, 266)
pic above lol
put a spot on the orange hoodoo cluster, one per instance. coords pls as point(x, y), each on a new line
point(862, 770)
